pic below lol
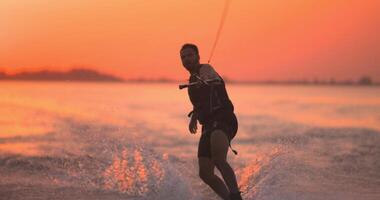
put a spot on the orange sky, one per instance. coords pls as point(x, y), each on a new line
point(261, 39)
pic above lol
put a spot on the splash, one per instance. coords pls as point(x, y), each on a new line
point(250, 175)
point(134, 172)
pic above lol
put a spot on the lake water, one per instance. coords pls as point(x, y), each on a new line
point(70, 140)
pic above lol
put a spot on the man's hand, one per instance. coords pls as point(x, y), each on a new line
point(193, 125)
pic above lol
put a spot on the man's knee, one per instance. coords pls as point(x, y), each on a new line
point(218, 162)
point(206, 176)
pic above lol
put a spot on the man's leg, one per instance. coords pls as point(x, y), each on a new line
point(219, 149)
point(206, 173)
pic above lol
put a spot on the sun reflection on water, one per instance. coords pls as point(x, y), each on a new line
point(134, 172)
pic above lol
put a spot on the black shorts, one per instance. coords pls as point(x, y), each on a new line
point(226, 122)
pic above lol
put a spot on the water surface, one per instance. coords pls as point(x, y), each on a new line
point(70, 140)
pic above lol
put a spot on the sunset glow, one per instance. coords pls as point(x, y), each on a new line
point(269, 39)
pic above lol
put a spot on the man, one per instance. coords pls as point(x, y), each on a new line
point(215, 112)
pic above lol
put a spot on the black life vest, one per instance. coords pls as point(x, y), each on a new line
point(208, 100)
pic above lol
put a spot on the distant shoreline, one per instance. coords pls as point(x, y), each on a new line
point(84, 75)
point(181, 82)
point(88, 75)
point(271, 82)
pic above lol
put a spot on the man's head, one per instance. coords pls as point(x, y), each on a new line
point(189, 56)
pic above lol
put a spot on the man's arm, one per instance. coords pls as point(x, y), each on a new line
point(193, 114)
point(193, 121)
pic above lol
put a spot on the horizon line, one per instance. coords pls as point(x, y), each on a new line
point(226, 78)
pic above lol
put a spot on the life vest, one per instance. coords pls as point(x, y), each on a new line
point(208, 99)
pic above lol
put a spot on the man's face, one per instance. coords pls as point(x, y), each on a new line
point(190, 59)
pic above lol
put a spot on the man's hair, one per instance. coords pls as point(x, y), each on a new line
point(191, 46)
